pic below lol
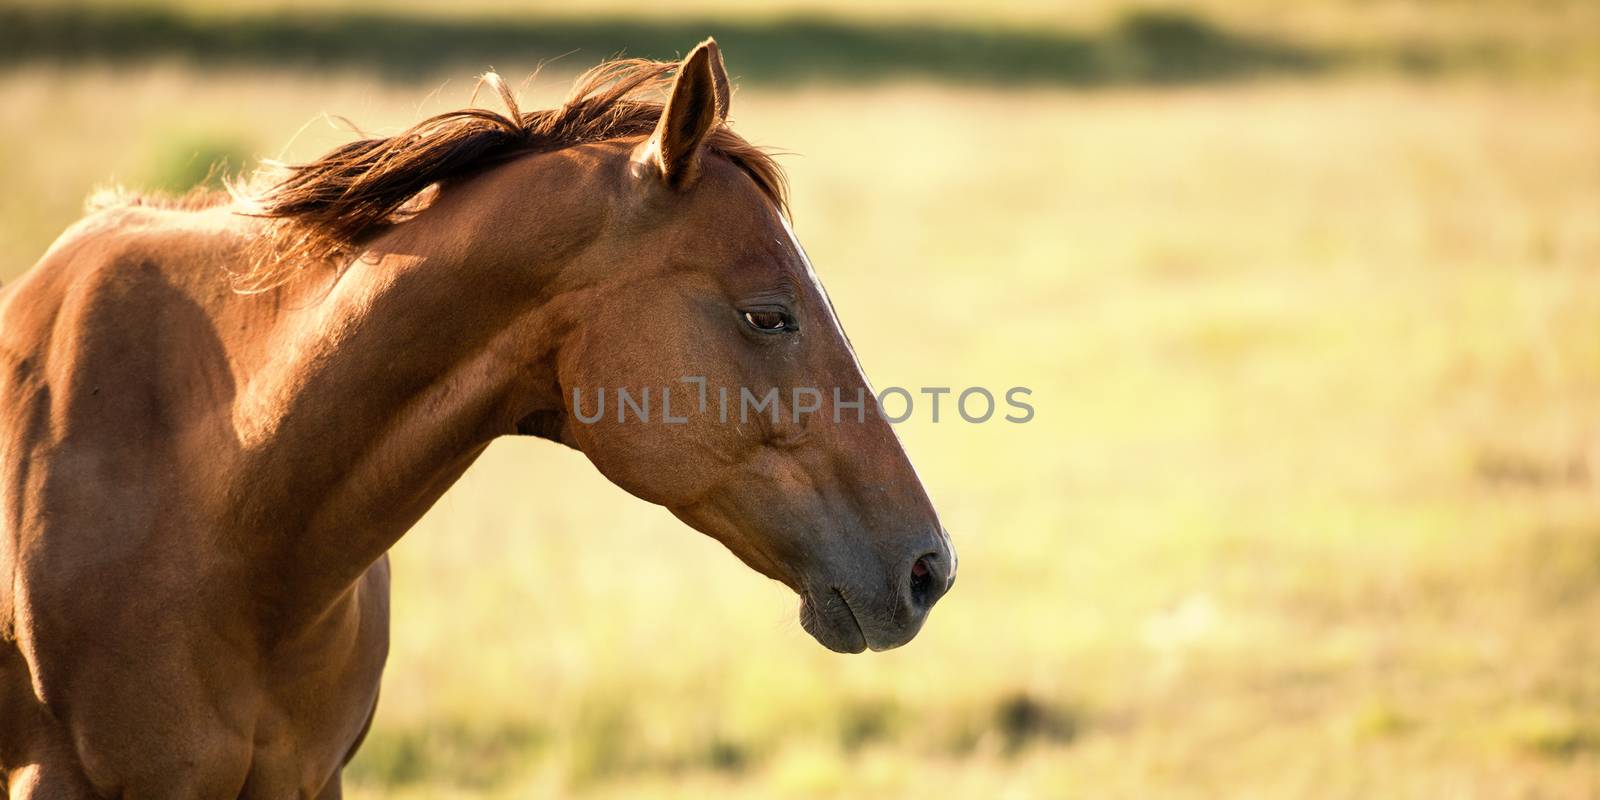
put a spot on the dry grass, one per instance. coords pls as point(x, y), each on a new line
point(1309, 507)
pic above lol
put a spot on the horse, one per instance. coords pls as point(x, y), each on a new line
point(218, 414)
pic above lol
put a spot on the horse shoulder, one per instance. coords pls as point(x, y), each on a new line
point(107, 357)
point(108, 368)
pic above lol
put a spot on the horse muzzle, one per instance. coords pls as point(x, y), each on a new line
point(846, 617)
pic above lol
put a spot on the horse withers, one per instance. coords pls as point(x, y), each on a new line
point(218, 414)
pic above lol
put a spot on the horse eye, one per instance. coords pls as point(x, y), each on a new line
point(768, 321)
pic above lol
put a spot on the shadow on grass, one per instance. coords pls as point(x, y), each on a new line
point(471, 756)
point(1144, 47)
point(607, 739)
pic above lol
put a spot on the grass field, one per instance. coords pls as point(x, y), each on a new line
point(1311, 505)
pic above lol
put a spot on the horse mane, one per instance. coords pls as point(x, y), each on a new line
point(199, 198)
point(324, 209)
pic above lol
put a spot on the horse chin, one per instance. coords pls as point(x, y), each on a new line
point(832, 623)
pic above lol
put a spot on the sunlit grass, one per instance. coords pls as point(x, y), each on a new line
point(1308, 508)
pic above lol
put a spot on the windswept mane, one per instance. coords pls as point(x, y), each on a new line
point(326, 208)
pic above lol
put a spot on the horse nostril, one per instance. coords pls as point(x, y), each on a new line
point(926, 586)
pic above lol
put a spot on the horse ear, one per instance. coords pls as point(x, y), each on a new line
point(695, 108)
point(719, 77)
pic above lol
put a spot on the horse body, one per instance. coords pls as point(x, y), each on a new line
point(139, 643)
point(198, 487)
point(232, 616)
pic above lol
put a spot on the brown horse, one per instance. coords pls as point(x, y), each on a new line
point(199, 484)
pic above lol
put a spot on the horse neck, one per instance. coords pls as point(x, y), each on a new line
point(370, 403)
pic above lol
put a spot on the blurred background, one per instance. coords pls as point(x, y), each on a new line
point(1308, 295)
